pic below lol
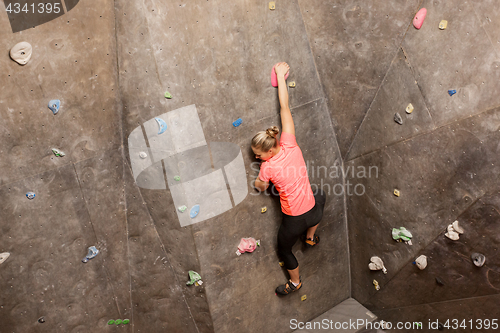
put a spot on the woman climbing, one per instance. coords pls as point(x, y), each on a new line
point(283, 165)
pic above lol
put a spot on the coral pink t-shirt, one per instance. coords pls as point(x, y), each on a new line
point(287, 170)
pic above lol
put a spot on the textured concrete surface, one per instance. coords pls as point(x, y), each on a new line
point(355, 64)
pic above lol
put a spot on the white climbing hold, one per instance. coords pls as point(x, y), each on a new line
point(377, 264)
point(457, 227)
point(143, 155)
point(4, 256)
point(421, 262)
point(452, 234)
point(454, 231)
point(21, 53)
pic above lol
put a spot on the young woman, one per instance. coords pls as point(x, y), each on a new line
point(283, 165)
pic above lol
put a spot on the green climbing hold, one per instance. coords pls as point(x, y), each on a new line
point(193, 277)
point(401, 233)
point(111, 322)
point(126, 321)
point(177, 178)
point(182, 208)
point(168, 95)
point(118, 321)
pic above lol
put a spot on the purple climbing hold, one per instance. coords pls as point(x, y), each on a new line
point(452, 92)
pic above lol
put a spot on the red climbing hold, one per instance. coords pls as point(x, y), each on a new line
point(418, 20)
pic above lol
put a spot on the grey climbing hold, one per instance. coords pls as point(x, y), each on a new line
point(4, 256)
point(439, 281)
point(54, 105)
point(57, 152)
point(41, 320)
point(398, 119)
point(194, 211)
point(143, 155)
point(30, 195)
point(478, 259)
point(182, 208)
point(401, 233)
point(21, 53)
point(92, 253)
point(162, 125)
point(193, 278)
point(168, 95)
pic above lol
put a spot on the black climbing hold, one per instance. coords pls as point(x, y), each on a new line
point(398, 119)
point(439, 281)
point(440, 326)
point(41, 320)
point(478, 259)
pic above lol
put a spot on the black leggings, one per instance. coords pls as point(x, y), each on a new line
point(293, 226)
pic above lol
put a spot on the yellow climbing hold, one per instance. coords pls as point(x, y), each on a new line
point(272, 5)
point(443, 24)
point(303, 298)
point(375, 283)
point(409, 108)
point(292, 84)
point(263, 210)
point(396, 192)
point(282, 263)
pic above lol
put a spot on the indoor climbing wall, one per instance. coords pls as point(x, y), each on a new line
point(78, 188)
point(127, 175)
point(438, 165)
point(215, 58)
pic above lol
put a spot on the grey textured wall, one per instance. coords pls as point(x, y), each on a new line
point(355, 63)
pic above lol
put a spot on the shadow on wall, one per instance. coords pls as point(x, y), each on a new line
point(26, 14)
point(205, 180)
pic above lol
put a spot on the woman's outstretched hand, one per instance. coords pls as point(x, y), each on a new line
point(281, 69)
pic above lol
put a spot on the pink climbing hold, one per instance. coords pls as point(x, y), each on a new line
point(247, 245)
point(274, 77)
point(418, 20)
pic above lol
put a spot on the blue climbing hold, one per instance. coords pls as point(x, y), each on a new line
point(30, 195)
point(237, 122)
point(162, 124)
point(452, 92)
point(194, 211)
point(54, 105)
point(92, 253)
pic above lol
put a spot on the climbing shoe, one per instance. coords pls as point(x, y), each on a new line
point(288, 288)
point(312, 242)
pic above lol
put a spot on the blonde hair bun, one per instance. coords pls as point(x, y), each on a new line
point(272, 131)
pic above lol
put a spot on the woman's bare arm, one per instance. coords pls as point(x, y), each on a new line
point(286, 115)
